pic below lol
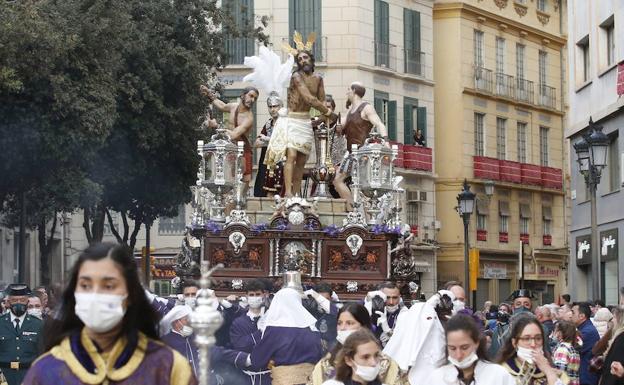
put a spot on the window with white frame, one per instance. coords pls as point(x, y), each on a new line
point(412, 213)
point(542, 61)
point(503, 224)
point(608, 33)
point(524, 225)
point(478, 49)
point(584, 63)
point(479, 134)
point(520, 48)
point(501, 138)
point(525, 216)
point(544, 146)
point(522, 142)
point(500, 55)
point(546, 220)
point(541, 5)
point(481, 222)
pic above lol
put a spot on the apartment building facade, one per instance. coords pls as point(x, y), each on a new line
point(596, 86)
point(500, 114)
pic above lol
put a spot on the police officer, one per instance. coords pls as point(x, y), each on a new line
point(19, 335)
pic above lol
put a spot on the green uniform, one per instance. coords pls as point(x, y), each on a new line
point(18, 350)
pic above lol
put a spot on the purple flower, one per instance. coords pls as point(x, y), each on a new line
point(332, 230)
point(213, 227)
point(258, 227)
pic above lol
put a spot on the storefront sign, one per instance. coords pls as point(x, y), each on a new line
point(494, 271)
point(609, 245)
point(163, 272)
point(583, 250)
point(546, 271)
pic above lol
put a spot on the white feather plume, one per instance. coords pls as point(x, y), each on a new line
point(269, 74)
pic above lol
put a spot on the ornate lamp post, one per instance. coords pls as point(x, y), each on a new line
point(591, 156)
point(375, 171)
point(465, 207)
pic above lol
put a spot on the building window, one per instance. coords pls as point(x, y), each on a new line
point(524, 225)
point(547, 224)
point(382, 34)
point(412, 213)
point(386, 109)
point(411, 39)
point(613, 164)
point(608, 28)
point(414, 118)
point(481, 222)
point(544, 146)
point(236, 48)
point(583, 48)
point(522, 144)
point(541, 5)
point(173, 225)
point(525, 216)
point(503, 224)
point(478, 49)
point(520, 61)
point(479, 134)
point(500, 55)
point(305, 16)
point(543, 56)
point(501, 138)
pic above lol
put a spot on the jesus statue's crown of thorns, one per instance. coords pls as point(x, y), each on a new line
point(299, 44)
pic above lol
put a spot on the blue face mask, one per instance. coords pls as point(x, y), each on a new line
point(18, 309)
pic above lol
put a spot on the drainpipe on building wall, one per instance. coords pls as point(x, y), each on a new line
point(564, 149)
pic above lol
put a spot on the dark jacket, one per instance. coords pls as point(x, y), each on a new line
point(590, 336)
point(615, 353)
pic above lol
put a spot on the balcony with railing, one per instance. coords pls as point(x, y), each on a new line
point(505, 85)
point(237, 48)
point(483, 79)
point(524, 90)
point(547, 96)
point(414, 62)
point(518, 173)
point(385, 55)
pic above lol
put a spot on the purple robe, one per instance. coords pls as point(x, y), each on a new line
point(244, 336)
point(287, 346)
point(137, 360)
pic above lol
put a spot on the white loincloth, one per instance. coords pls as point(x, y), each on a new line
point(289, 132)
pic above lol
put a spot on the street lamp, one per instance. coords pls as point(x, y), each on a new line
point(465, 207)
point(591, 156)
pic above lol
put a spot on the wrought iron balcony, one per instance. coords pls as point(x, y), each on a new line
point(483, 79)
point(237, 48)
point(547, 96)
point(524, 90)
point(505, 85)
point(414, 62)
point(385, 55)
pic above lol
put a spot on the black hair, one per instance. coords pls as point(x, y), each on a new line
point(599, 302)
point(358, 311)
point(254, 285)
point(140, 316)
point(584, 308)
point(330, 100)
point(312, 60)
point(465, 323)
point(388, 285)
point(508, 350)
point(190, 283)
point(268, 284)
point(566, 297)
point(248, 89)
point(358, 89)
point(323, 288)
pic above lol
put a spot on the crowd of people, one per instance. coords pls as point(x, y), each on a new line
point(106, 328)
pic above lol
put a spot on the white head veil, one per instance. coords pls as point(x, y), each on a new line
point(286, 310)
point(178, 312)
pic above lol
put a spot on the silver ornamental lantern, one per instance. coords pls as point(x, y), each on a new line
point(324, 171)
point(238, 216)
point(205, 320)
point(355, 217)
point(375, 171)
point(221, 158)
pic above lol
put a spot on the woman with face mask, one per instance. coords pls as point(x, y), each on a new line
point(106, 331)
point(351, 318)
point(525, 357)
point(468, 364)
point(358, 362)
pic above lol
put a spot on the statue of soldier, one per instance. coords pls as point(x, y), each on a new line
point(268, 183)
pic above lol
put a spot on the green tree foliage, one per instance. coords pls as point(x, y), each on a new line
point(101, 97)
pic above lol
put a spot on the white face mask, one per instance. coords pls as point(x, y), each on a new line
point(466, 362)
point(526, 354)
point(343, 335)
point(255, 302)
point(367, 373)
point(186, 331)
point(190, 301)
point(100, 312)
point(36, 313)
